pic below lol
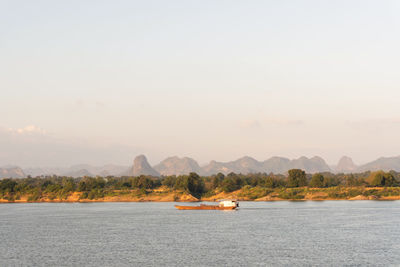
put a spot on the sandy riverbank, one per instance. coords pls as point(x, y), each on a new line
point(244, 194)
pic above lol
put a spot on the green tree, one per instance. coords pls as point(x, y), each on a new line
point(191, 183)
point(350, 180)
point(317, 180)
point(390, 180)
point(297, 178)
point(378, 179)
point(231, 182)
point(195, 183)
point(169, 181)
point(142, 182)
point(228, 185)
point(82, 186)
point(382, 179)
point(46, 183)
point(269, 182)
point(7, 185)
point(68, 184)
point(217, 179)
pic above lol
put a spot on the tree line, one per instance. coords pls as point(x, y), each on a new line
point(95, 187)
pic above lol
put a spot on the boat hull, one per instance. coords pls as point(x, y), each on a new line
point(204, 207)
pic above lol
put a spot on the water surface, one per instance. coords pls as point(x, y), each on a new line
point(328, 233)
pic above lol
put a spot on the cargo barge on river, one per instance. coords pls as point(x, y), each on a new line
point(223, 205)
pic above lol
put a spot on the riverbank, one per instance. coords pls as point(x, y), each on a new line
point(247, 193)
point(114, 196)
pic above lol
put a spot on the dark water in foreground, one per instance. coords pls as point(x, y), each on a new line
point(332, 233)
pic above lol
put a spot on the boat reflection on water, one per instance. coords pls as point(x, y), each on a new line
point(223, 205)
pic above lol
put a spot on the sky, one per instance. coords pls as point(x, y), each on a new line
point(102, 81)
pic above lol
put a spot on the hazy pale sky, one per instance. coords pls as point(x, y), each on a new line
point(102, 81)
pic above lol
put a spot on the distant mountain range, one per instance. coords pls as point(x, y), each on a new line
point(178, 166)
point(185, 165)
point(141, 167)
point(78, 170)
point(11, 172)
point(345, 165)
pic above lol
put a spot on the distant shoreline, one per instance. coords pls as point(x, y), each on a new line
point(240, 195)
point(150, 201)
point(296, 186)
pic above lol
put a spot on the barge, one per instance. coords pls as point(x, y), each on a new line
point(223, 205)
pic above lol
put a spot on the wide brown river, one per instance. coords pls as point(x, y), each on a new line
point(328, 233)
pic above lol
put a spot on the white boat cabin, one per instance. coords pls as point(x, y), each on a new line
point(228, 203)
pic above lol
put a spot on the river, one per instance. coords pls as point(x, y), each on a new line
point(326, 233)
